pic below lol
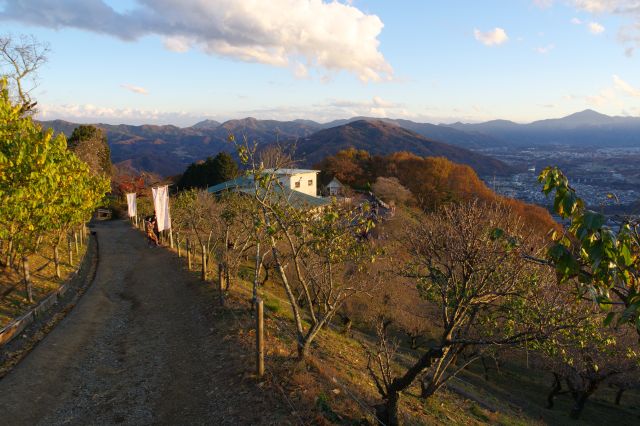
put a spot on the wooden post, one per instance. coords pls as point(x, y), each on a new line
point(70, 250)
point(75, 238)
point(178, 243)
point(204, 262)
point(81, 238)
point(9, 252)
point(221, 280)
point(56, 260)
point(259, 338)
point(189, 253)
point(27, 279)
point(136, 219)
point(170, 238)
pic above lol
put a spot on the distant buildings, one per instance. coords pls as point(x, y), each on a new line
point(335, 188)
point(298, 187)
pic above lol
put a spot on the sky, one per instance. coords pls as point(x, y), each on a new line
point(182, 61)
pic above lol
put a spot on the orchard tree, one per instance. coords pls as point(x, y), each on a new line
point(197, 212)
point(466, 261)
point(43, 186)
point(602, 260)
point(588, 356)
point(320, 254)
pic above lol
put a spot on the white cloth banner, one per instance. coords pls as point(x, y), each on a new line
point(161, 206)
point(131, 203)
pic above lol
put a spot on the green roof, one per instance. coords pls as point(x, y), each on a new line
point(237, 183)
point(296, 199)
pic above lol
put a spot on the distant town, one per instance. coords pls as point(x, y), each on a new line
point(606, 178)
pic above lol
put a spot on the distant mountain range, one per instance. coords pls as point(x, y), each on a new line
point(587, 128)
point(386, 137)
point(168, 150)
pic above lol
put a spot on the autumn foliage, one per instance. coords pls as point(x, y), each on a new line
point(433, 181)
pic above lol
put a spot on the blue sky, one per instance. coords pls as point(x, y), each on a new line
point(180, 61)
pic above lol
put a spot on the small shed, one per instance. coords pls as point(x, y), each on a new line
point(335, 187)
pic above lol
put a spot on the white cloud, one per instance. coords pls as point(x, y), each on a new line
point(333, 36)
point(546, 49)
point(625, 87)
point(543, 4)
point(135, 89)
point(493, 37)
point(612, 95)
point(88, 113)
point(576, 21)
point(595, 28)
point(300, 71)
point(603, 98)
point(599, 6)
point(628, 34)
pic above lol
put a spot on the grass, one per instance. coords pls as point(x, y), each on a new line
point(14, 303)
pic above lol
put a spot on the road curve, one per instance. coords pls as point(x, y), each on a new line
point(139, 348)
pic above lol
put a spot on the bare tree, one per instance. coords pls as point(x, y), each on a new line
point(20, 59)
point(485, 295)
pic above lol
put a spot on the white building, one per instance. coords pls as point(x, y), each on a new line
point(305, 181)
point(335, 187)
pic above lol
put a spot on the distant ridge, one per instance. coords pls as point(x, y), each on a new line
point(168, 150)
point(380, 137)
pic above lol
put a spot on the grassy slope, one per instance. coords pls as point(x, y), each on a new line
point(335, 388)
point(15, 303)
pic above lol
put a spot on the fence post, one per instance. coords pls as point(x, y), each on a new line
point(70, 250)
point(27, 279)
point(170, 237)
point(259, 338)
point(204, 263)
point(56, 260)
point(75, 238)
point(178, 243)
point(189, 253)
point(221, 282)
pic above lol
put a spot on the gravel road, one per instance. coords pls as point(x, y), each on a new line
point(141, 347)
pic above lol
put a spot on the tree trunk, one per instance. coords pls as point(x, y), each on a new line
point(555, 390)
point(387, 412)
point(303, 350)
point(581, 398)
point(347, 323)
point(204, 262)
point(389, 409)
point(188, 254)
point(427, 389)
point(619, 395)
point(221, 279)
point(9, 253)
point(28, 287)
point(56, 260)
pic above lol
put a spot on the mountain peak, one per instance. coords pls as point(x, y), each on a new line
point(588, 114)
point(206, 124)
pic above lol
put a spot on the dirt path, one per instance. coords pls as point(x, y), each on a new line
point(141, 347)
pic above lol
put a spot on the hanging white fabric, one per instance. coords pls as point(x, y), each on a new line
point(161, 206)
point(131, 203)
